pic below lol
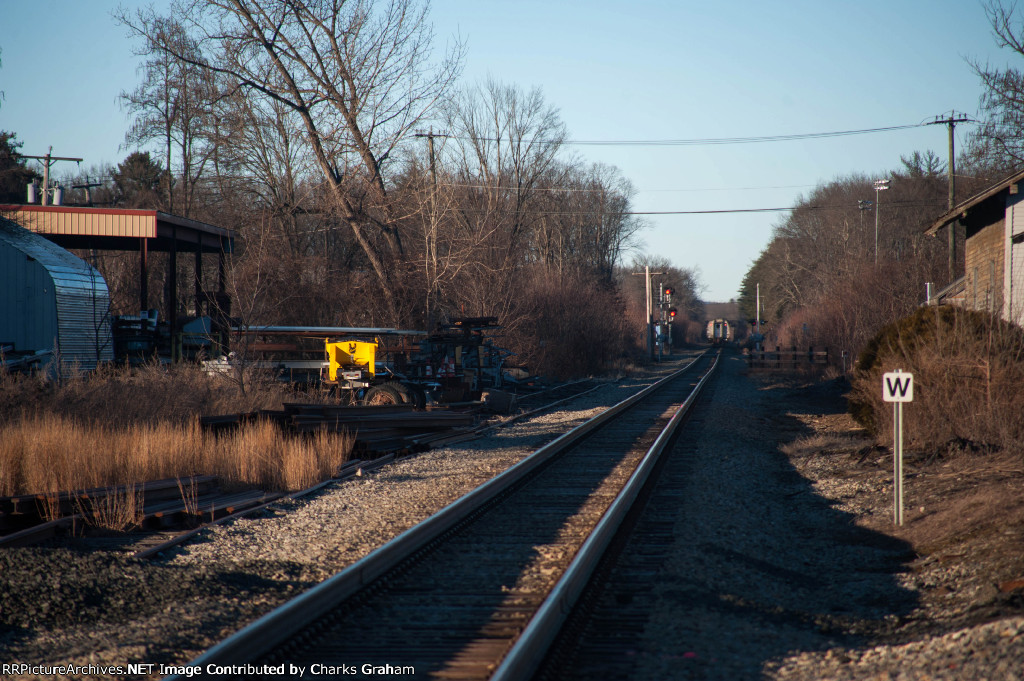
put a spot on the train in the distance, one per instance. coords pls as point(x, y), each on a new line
point(719, 331)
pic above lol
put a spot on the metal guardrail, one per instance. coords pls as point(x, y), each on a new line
point(787, 359)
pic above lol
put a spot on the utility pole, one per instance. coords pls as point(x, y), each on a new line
point(880, 186)
point(430, 254)
point(757, 318)
point(49, 160)
point(864, 205)
point(950, 121)
point(88, 186)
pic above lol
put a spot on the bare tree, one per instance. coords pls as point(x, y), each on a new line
point(357, 74)
point(173, 106)
point(818, 277)
point(586, 222)
point(998, 142)
point(260, 156)
point(506, 144)
point(503, 154)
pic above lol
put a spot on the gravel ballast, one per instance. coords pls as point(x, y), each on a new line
point(784, 566)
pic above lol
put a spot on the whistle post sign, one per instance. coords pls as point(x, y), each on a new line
point(897, 387)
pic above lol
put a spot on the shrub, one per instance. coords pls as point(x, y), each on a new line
point(967, 367)
point(846, 315)
point(572, 326)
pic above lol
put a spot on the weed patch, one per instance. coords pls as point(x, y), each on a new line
point(124, 426)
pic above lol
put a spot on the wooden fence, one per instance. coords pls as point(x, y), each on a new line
point(787, 360)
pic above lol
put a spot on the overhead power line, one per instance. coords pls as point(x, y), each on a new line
point(704, 141)
point(607, 190)
point(894, 204)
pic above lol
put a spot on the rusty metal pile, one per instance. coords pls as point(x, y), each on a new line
point(163, 504)
point(377, 429)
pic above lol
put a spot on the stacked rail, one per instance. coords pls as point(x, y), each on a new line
point(163, 504)
point(376, 428)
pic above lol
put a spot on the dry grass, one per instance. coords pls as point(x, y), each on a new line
point(127, 426)
point(52, 453)
point(823, 445)
point(119, 511)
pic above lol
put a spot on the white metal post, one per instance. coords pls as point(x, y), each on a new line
point(898, 462)
point(897, 387)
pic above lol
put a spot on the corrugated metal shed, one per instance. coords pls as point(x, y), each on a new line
point(51, 300)
point(142, 231)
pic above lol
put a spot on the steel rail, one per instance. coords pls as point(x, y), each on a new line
point(280, 624)
point(525, 656)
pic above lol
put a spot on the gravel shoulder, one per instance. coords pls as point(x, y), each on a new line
point(783, 561)
point(800, 572)
point(964, 523)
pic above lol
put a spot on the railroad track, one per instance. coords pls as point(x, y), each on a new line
point(478, 590)
point(542, 399)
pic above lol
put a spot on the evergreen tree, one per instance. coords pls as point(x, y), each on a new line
point(14, 175)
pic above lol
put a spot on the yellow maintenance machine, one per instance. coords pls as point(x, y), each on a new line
point(352, 368)
point(354, 360)
point(453, 364)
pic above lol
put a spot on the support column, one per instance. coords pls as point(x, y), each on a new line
point(143, 274)
point(172, 293)
point(199, 278)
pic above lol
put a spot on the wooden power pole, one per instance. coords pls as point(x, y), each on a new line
point(430, 252)
point(48, 161)
point(950, 121)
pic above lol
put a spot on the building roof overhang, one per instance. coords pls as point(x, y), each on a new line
point(119, 228)
point(962, 209)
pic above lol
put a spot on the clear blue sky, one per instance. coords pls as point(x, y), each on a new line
point(644, 70)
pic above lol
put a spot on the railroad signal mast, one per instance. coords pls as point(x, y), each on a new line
point(647, 274)
point(668, 314)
